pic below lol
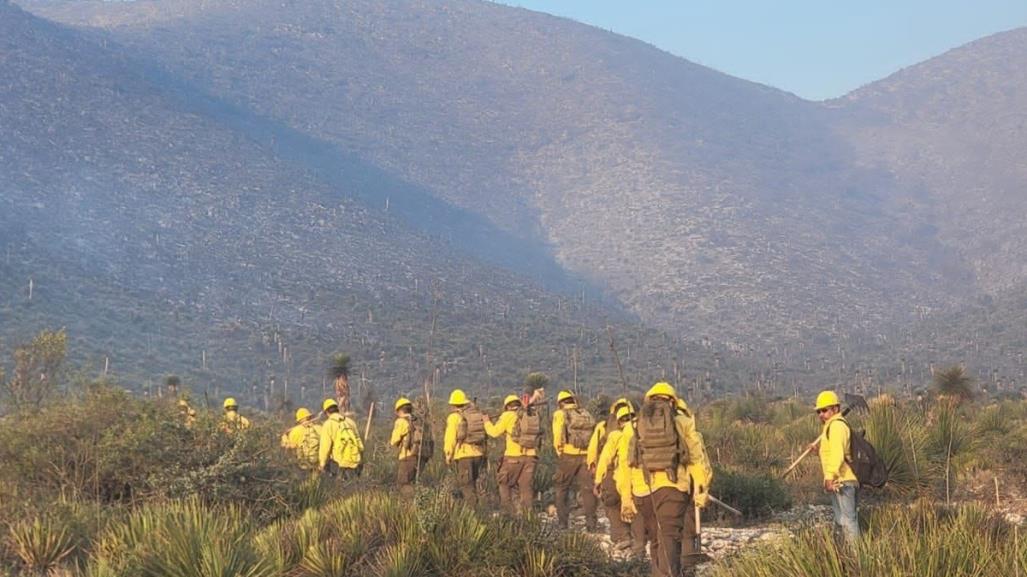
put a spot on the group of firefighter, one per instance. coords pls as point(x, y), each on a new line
point(647, 465)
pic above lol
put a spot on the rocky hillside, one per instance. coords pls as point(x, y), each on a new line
point(794, 235)
point(953, 131)
point(168, 241)
point(707, 204)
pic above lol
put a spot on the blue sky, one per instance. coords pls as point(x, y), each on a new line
point(815, 48)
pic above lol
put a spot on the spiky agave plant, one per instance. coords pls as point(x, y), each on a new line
point(41, 543)
point(899, 441)
point(402, 559)
point(182, 539)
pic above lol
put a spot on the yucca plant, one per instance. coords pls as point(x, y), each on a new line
point(41, 543)
point(398, 560)
point(181, 539)
point(899, 441)
point(921, 540)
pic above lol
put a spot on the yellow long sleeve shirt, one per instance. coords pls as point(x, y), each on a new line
point(834, 450)
point(305, 440)
point(607, 458)
point(560, 434)
point(340, 442)
point(400, 430)
point(232, 421)
point(631, 481)
point(595, 444)
point(452, 449)
point(505, 426)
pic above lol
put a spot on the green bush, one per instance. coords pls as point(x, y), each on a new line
point(756, 495)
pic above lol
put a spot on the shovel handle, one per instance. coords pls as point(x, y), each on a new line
point(720, 503)
point(797, 461)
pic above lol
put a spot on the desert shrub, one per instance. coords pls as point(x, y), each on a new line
point(921, 540)
point(109, 447)
point(756, 495)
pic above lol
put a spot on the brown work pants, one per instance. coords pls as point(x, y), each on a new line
point(619, 530)
point(406, 475)
point(467, 472)
point(689, 552)
point(572, 472)
point(516, 474)
point(663, 514)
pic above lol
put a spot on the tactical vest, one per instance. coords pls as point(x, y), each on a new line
point(527, 430)
point(472, 426)
point(579, 425)
point(656, 445)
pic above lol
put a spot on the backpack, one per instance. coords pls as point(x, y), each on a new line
point(419, 441)
point(527, 431)
point(656, 445)
point(869, 468)
point(472, 426)
point(310, 444)
point(579, 426)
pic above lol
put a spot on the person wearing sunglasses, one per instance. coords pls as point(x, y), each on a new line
point(835, 454)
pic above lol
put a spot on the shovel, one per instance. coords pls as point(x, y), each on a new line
point(697, 556)
point(857, 402)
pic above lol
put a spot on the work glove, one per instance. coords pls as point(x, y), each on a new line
point(627, 511)
point(701, 497)
point(699, 480)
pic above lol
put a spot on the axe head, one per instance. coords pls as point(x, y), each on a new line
point(856, 403)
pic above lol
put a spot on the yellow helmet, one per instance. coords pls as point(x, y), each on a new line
point(230, 403)
point(511, 399)
point(662, 388)
point(827, 399)
point(621, 402)
point(624, 412)
point(183, 403)
point(457, 397)
point(329, 403)
point(302, 414)
point(402, 402)
point(564, 396)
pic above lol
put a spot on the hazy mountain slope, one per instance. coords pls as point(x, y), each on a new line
point(158, 236)
point(953, 131)
point(708, 204)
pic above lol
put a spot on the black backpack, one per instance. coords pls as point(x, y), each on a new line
point(869, 468)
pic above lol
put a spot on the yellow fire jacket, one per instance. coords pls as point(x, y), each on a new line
point(595, 444)
point(451, 448)
point(304, 439)
point(834, 450)
point(505, 426)
point(560, 434)
point(400, 430)
point(340, 442)
point(607, 462)
point(631, 481)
